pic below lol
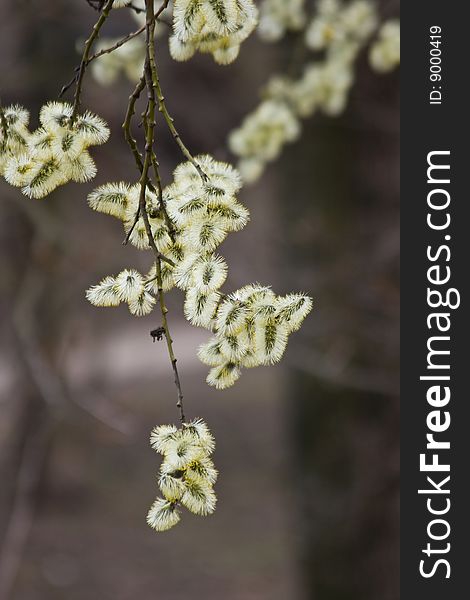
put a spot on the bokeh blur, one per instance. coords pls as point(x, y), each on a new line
point(307, 450)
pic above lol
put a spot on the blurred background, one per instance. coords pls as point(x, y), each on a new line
point(307, 450)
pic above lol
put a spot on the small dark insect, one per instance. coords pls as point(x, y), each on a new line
point(157, 334)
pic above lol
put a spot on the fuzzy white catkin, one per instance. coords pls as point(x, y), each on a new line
point(54, 154)
point(163, 515)
point(339, 30)
point(128, 287)
point(252, 324)
point(217, 27)
point(384, 54)
point(262, 135)
point(279, 16)
point(251, 327)
point(187, 473)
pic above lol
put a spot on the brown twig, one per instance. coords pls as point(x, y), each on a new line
point(85, 57)
point(126, 126)
point(117, 45)
point(149, 161)
point(169, 223)
point(111, 49)
point(132, 143)
point(170, 121)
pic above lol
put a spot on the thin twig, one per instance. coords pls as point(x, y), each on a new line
point(126, 126)
point(85, 57)
point(131, 35)
point(134, 148)
point(132, 227)
point(169, 340)
point(117, 45)
point(170, 123)
point(111, 49)
point(148, 161)
point(143, 167)
point(132, 143)
point(166, 115)
point(169, 223)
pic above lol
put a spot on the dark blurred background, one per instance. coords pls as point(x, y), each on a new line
point(307, 450)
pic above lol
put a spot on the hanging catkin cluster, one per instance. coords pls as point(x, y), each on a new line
point(338, 31)
point(384, 54)
point(251, 325)
point(338, 22)
point(279, 16)
point(187, 473)
point(262, 136)
point(182, 225)
point(217, 27)
point(54, 154)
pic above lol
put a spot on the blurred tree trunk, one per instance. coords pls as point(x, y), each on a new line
point(342, 245)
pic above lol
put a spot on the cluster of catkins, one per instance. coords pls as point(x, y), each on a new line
point(217, 27)
point(338, 22)
point(187, 473)
point(384, 54)
point(339, 31)
point(251, 325)
point(209, 26)
point(54, 154)
point(262, 136)
point(279, 16)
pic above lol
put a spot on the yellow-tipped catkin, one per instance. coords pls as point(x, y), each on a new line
point(217, 27)
point(57, 152)
point(187, 473)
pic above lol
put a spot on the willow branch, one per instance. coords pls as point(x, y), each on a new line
point(111, 49)
point(170, 123)
point(166, 115)
point(132, 143)
point(149, 160)
point(169, 341)
point(126, 126)
point(132, 35)
point(169, 223)
point(85, 57)
point(117, 45)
